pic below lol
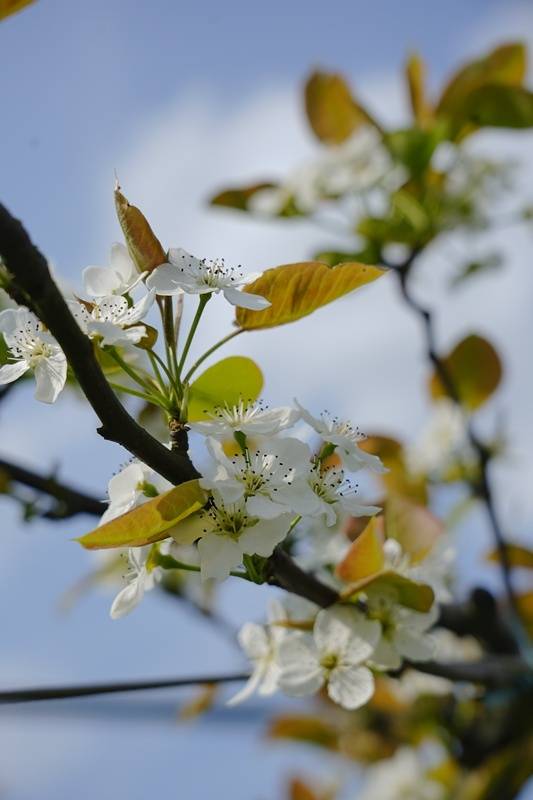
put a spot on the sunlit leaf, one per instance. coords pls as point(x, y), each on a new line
point(412, 594)
point(226, 382)
point(365, 556)
point(143, 245)
point(506, 64)
point(415, 73)
point(501, 107)
point(150, 522)
point(398, 479)
point(238, 197)
point(296, 290)
point(475, 370)
point(517, 556)
point(202, 701)
point(414, 147)
point(333, 113)
point(8, 7)
point(412, 525)
point(312, 730)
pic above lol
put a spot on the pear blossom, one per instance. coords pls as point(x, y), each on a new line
point(227, 532)
point(404, 776)
point(131, 487)
point(186, 273)
point(334, 655)
point(261, 645)
point(442, 442)
point(31, 347)
point(139, 580)
point(111, 321)
point(334, 495)
point(346, 439)
point(404, 632)
point(252, 419)
point(268, 478)
point(119, 278)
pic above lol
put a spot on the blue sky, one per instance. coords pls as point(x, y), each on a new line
point(181, 98)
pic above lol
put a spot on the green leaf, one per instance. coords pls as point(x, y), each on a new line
point(501, 107)
point(226, 382)
point(4, 350)
point(332, 111)
point(296, 290)
point(238, 197)
point(505, 64)
point(414, 148)
point(475, 369)
point(418, 596)
point(150, 522)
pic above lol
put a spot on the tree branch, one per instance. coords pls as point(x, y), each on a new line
point(87, 690)
point(282, 571)
point(491, 671)
point(32, 277)
point(70, 501)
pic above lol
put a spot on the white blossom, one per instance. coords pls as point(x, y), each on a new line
point(269, 478)
point(119, 278)
point(139, 580)
point(442, 441)
point(334, 495)
point(110, 319)
point(252, 419)
point(334, 655)
point(404, 632)
point(227, 532)
point(131, 487)
point(31, 347)
point(346, 439)
point(401, 777)
point(186, 273)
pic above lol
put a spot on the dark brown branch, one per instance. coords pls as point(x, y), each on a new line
point(282, 571)
point(69, 501)
point(32, 277)
point(87, 690)
point(492, 671)
point(480, 486)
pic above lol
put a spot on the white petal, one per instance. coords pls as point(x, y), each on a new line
point(385, 655)
point(10, 372)
point(9, 321)
point(100, 281)
point(254, 641)
point(218, 556)
point(140, 309)
point(334, 627)
point(126, 600)
point(122, 263)
point(352, 506)
point(351, 687)
point(50, 376)
point(414, 645)
point(264, 508)
point(300, 670)
point(165, 280)
point(249, 687)
point(262, 538)
point(245, 299)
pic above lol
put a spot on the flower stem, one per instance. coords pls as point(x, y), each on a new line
point(204, 298)
point(127, 369)
point(211, 350)
point(149, 398)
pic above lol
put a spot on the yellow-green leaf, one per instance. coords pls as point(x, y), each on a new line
point(415, 73)
point(517, 556)
point(475, 369)
point(238, 196)
point(505, 64)
point(143, 245)
point(333, 112)
point(8, 7)
point(501, 107)
point(296, 290)
point(312, 730)
point(418, 596)
point(365, 556)
point(150, 522)
point(226, 382)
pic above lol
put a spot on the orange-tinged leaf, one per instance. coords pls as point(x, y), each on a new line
point(298, 790)
point(412, 525)
point(418, 596)
point(8, 7)
point(296, 290)
point(143, 245)
point(239, 196)
point(333, 113)
point(365, 556)
point(475, 369)
point(202, 701)
point(304, 729)
point(517, 555)
point(150, 522)
point(398, 479)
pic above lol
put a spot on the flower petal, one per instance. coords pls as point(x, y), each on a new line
point(245, 299)
point(129, 597)
point(100, 281)
point(218, 556)
point(262, 538)
point(50, 377)
point(351, 687)
point(10, 372)
point(300, 670)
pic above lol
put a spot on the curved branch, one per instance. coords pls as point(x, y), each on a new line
point(492, 671)
point(70, 501)
point(32, 276)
